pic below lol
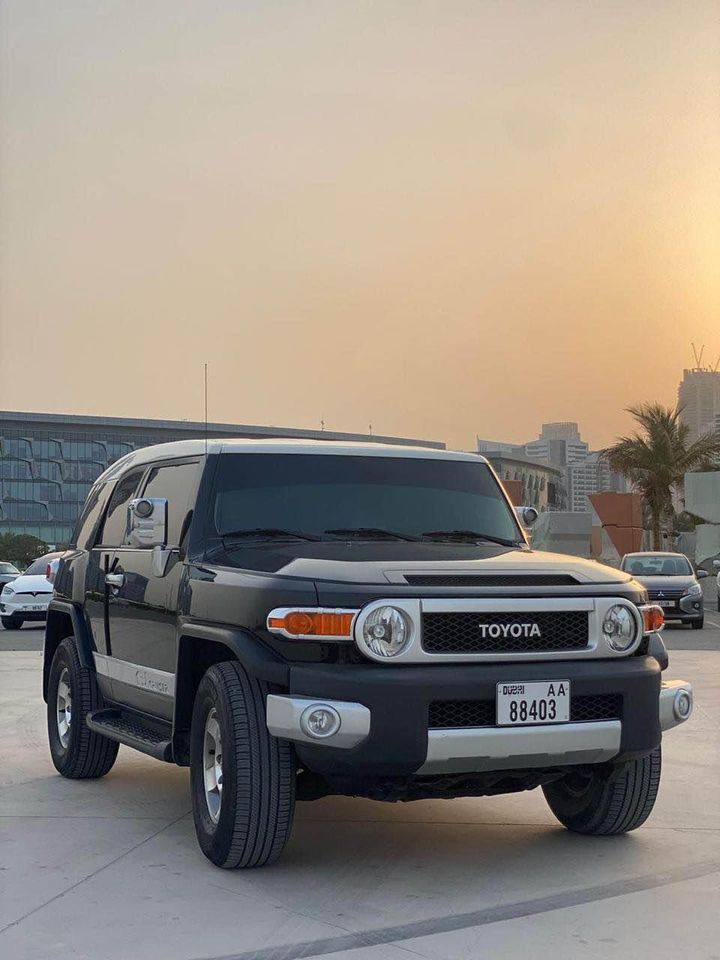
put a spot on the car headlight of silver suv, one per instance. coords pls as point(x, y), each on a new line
point(619, 628)
point(694, 590)
point(386, 631)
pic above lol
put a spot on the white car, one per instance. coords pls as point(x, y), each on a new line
point(716, 564)
point(27, 597)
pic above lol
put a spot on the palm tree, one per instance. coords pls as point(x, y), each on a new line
point(656, 459)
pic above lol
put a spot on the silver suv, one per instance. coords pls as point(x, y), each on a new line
point(671, 582)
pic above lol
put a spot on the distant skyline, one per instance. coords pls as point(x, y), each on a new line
point(444, 219)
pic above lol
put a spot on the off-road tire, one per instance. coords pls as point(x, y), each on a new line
point(698, 624)
point(12, 623)
point(88, 755)
point(611, 803)
point(258, 772)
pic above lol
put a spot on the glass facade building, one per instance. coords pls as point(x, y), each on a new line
point(48, 462)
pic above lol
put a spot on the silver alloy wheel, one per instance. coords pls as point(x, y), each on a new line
point(212, 765)
point(64, 708)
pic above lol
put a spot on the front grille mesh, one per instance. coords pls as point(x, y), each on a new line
point(460, 632)
point(490, 580)
point(481, 713)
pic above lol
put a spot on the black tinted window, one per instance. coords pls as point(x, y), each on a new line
point(38, 568)
point(83, 534)
point(116, 518)
point(319, 492)
point(174, 482)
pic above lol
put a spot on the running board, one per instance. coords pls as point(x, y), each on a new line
point(125, 728)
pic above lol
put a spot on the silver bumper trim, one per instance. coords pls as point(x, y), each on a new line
point(475, 749)
point(675, 698)
point(284, 713)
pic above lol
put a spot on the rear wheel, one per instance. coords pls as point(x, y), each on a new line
point(77, 752)
point(242, 778)
point(12, 623)
point(607, 803)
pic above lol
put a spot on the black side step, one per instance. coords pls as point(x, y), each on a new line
point(128, 729)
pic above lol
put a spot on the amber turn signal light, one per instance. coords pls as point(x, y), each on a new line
point(336, 624)
point(653, 617)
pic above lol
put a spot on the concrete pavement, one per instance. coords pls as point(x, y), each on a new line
point(110, 870)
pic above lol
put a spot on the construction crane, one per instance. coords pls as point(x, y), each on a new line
point(698, 361)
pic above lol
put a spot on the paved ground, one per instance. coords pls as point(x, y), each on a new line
point(109, 870)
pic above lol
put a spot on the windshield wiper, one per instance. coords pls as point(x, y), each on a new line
point(370, 533)
point(467, 535)
point(268, 533)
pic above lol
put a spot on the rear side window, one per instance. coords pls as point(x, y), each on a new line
point(175, 482)
point(115, 525)
point(84, 532)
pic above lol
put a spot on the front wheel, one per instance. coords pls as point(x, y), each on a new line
point(607, 803)
point(698, 624)
point(12, 623)
point(242, 778)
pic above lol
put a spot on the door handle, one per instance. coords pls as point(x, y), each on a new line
point(114, 580)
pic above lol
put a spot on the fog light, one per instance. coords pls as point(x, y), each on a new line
point(683, 704)
point(320, 721)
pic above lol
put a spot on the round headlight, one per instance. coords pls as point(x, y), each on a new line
point(386, 631)
point(619, 628)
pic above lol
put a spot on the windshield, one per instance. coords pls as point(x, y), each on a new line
point(8, 568)
point(658, 565)
point(327, 496)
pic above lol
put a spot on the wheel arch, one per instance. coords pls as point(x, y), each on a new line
point(65, 619)
point(199, 647)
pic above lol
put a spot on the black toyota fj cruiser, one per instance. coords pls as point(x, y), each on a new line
point(296, 619)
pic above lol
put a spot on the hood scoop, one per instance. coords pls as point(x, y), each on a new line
point(491, 580)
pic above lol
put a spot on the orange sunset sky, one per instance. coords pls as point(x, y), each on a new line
point(442, 218)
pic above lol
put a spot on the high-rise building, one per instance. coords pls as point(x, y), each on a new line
point(699, 400)
point(559, 445)
point(591, 475)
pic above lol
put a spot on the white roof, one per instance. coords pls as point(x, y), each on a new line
point(192, 448)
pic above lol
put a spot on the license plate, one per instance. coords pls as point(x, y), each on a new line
point(544, 701)
point(666, 603)
point(33, 607)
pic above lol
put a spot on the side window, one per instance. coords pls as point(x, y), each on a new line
point(83, 534)
point(115, 525)
point(175, 482)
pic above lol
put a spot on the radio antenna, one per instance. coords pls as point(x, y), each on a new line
point(206, 422)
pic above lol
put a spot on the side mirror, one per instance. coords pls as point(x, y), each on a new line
point(148, 522)
point(701, 574)
point(527, 515)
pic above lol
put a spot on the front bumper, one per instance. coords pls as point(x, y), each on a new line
point(395, 739)
point(27, 608)
point(684, 610)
